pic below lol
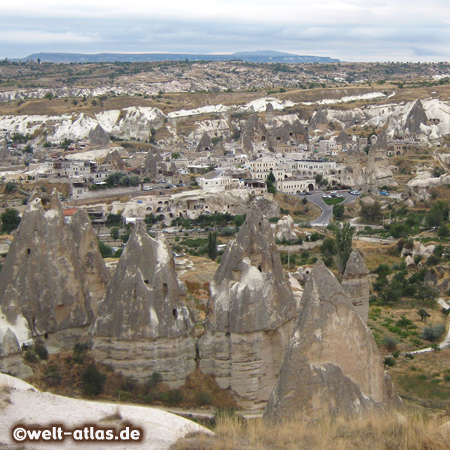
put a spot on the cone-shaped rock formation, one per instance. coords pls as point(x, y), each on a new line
point(95, 268)
point(43, 278)
point(356, 284)
point(332, 365)
point(250, 315)
point(416, 117)
point(142, 326)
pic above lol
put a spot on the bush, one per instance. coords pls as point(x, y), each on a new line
point(389, 343)
point(154, 379)
point(30, 356)
point(93, 380)
point(228, 231)
point(172, 398)
point(204, 398)
point(51, 376)
point(389, 361)
point(105, 249)
point(433, 334)
point(79, 351)
point(403, 322)
point(40, 350)
point(10, 220)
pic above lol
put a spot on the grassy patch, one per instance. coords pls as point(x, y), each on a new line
point(333, 201)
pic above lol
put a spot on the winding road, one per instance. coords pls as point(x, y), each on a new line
point(316, 198)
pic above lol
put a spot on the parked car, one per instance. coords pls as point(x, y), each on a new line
point(355, 192)
point(384, 193)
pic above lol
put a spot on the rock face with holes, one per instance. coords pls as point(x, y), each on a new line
point(97, 273)
point(142, 326)
point(250, 315)
point(332, 365)
point(44, 289)
point(356, 284)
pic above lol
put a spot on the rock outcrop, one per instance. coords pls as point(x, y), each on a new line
point(98, 136)
point(284, 229)
point(356, 284)
point(416, 117)
point(43, 279)
point(142, 326)
point(250, 315)
point(332, 365)
point(97, 273)
point(319, 120)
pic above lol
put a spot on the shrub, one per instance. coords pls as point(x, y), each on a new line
point(389, 343)
point(204, 398)
point(93, 380)
point(52, 376)
point(30, 356)
point(389, 361)
point(403, 322)
point(129, 384)
point(40, 350)
point(79, 351)
point(172, 398)
point(154, 379)
point(433, 334)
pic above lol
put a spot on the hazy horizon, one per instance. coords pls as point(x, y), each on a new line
point(349, 30)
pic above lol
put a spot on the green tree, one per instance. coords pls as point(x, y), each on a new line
point(371, 213)
point(338, 212)
point(343, 235)
point(212, 245)
point(10, 220)
point(114, 233)
point(328, 250)
point(423, 315)
point(10, 187)
point(270, 181)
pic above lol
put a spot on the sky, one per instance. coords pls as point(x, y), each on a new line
point(351, 30)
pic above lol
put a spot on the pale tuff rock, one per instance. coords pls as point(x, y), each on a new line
point(343, 138)
point(318, 120)
point(250, 315)
point(416, 118)
point(43, 278)
point(98, 136)
point(142, 326)
point(332, 365)
point(409, 261)
point(249, 291)
point(356, 284)
point(252, 131)
point(284, 229)
point(151, 165)
point(418, 188)
point(97, 273)
point(20, 402)
point(205, 143)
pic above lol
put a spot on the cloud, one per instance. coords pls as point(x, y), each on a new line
point(347, 29)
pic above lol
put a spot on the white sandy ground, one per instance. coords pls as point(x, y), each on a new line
point(22, 403)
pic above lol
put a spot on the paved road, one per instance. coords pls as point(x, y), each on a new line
point(324, 219)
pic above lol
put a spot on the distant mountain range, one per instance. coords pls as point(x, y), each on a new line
point(264, 56)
